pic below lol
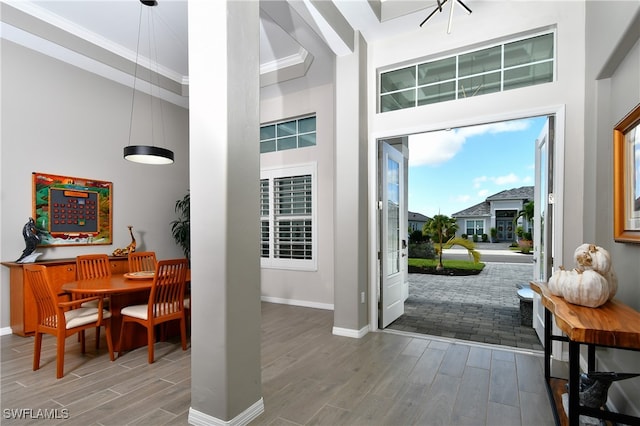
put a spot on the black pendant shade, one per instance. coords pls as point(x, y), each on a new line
point(148, 154)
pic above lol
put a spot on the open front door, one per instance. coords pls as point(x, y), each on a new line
point(393, 235)
point(543, 219)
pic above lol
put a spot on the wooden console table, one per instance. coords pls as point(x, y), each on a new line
point(613, 325)
point(23, 305)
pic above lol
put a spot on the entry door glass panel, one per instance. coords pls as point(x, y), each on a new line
point(393, 217)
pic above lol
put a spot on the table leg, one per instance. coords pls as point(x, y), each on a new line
point(574, 378)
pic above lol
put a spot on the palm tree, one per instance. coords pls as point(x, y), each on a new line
point(442, 228)
point(527, 213)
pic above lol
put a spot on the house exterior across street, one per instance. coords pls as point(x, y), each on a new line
point(416, 221)
point(497, 211)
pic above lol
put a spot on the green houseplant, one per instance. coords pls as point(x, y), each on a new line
point(181, 227)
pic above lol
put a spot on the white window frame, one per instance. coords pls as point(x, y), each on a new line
point(415, 87)
point(271, 174)
point(475, 226)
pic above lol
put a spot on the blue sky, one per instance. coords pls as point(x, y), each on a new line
point(451, 170)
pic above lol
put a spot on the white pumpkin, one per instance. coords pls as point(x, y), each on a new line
point(588, 288)
point(560, 279)
point(592, 257)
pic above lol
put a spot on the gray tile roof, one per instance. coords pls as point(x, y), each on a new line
point(522, 193)
point(484, 208)
point(417, 217)
point(480, 209)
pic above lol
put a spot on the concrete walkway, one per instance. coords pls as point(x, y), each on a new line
point(481, 308)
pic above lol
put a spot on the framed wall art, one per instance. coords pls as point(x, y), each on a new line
point(626, 178)
point(72, 211)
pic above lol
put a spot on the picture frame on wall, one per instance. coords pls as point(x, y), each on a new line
point(626, 179)
point(72, 211)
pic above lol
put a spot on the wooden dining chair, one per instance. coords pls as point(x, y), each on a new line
point(140, 261)
point(166, 303)
point(90, 266)
point(62, 319)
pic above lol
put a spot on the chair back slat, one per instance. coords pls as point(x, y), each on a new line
point(90, 266)
point(167, 291)
point(45, 298)
point(142, 261)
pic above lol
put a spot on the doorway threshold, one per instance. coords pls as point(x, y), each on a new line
point(525, 351)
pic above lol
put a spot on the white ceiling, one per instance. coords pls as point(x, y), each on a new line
point(295, 34)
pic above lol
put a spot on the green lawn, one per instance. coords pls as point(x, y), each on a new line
point(448, 264)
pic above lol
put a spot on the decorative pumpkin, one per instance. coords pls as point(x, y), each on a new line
point(561, 279)
point(590, 256)
point(588, 288)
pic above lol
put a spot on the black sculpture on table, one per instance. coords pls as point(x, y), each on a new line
point(31, 240)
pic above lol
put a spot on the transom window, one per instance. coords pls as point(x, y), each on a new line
point(287, 218)
point(290, 134)
point(519, 63)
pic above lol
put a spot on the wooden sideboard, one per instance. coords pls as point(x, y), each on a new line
point(613, 325)
point(23, 307)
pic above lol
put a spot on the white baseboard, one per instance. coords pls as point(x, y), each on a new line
point(199, 418)
point(5, 330)
point(348, 332)
point(293, 302)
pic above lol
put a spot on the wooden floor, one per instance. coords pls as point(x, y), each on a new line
point(309, 377)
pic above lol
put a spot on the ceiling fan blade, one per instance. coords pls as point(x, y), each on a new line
point(439, 8)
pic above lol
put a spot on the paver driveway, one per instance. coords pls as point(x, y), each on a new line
point(481, 308)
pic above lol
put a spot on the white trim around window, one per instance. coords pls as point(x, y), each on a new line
point(288, 217)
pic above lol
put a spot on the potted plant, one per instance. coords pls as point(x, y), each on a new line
point(181, 227)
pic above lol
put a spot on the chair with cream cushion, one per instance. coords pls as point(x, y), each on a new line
point(141, 261)
point(62, 319)
point(166, 303)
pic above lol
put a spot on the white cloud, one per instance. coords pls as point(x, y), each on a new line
point(483, 193)
point(511, 178)
point(493, 128)
point(503, 180)
point(477, 182)
point(434, 148)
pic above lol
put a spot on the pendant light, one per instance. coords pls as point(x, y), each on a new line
point(146, 154)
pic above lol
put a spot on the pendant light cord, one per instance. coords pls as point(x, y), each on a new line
point(135, 75)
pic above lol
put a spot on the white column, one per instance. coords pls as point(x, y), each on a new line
point(224, 175)
point(351, 235)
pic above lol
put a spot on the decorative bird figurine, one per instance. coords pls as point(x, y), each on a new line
point(31, 240)
point(594, 387)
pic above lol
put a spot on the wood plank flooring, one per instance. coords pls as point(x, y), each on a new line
point(309, 377)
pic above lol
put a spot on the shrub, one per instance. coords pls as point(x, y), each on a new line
point(485, 238)
point(416, 237)
point(421, 251)
point(475, 238)
point(465, 236)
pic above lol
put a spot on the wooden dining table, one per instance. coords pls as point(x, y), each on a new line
point(122, 290)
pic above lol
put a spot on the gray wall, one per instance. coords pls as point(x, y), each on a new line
point(612, 90)
point(59, 119)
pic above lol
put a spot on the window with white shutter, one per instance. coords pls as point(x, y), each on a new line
point(287, 217)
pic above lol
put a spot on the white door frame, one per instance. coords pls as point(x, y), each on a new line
point(374, 226)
